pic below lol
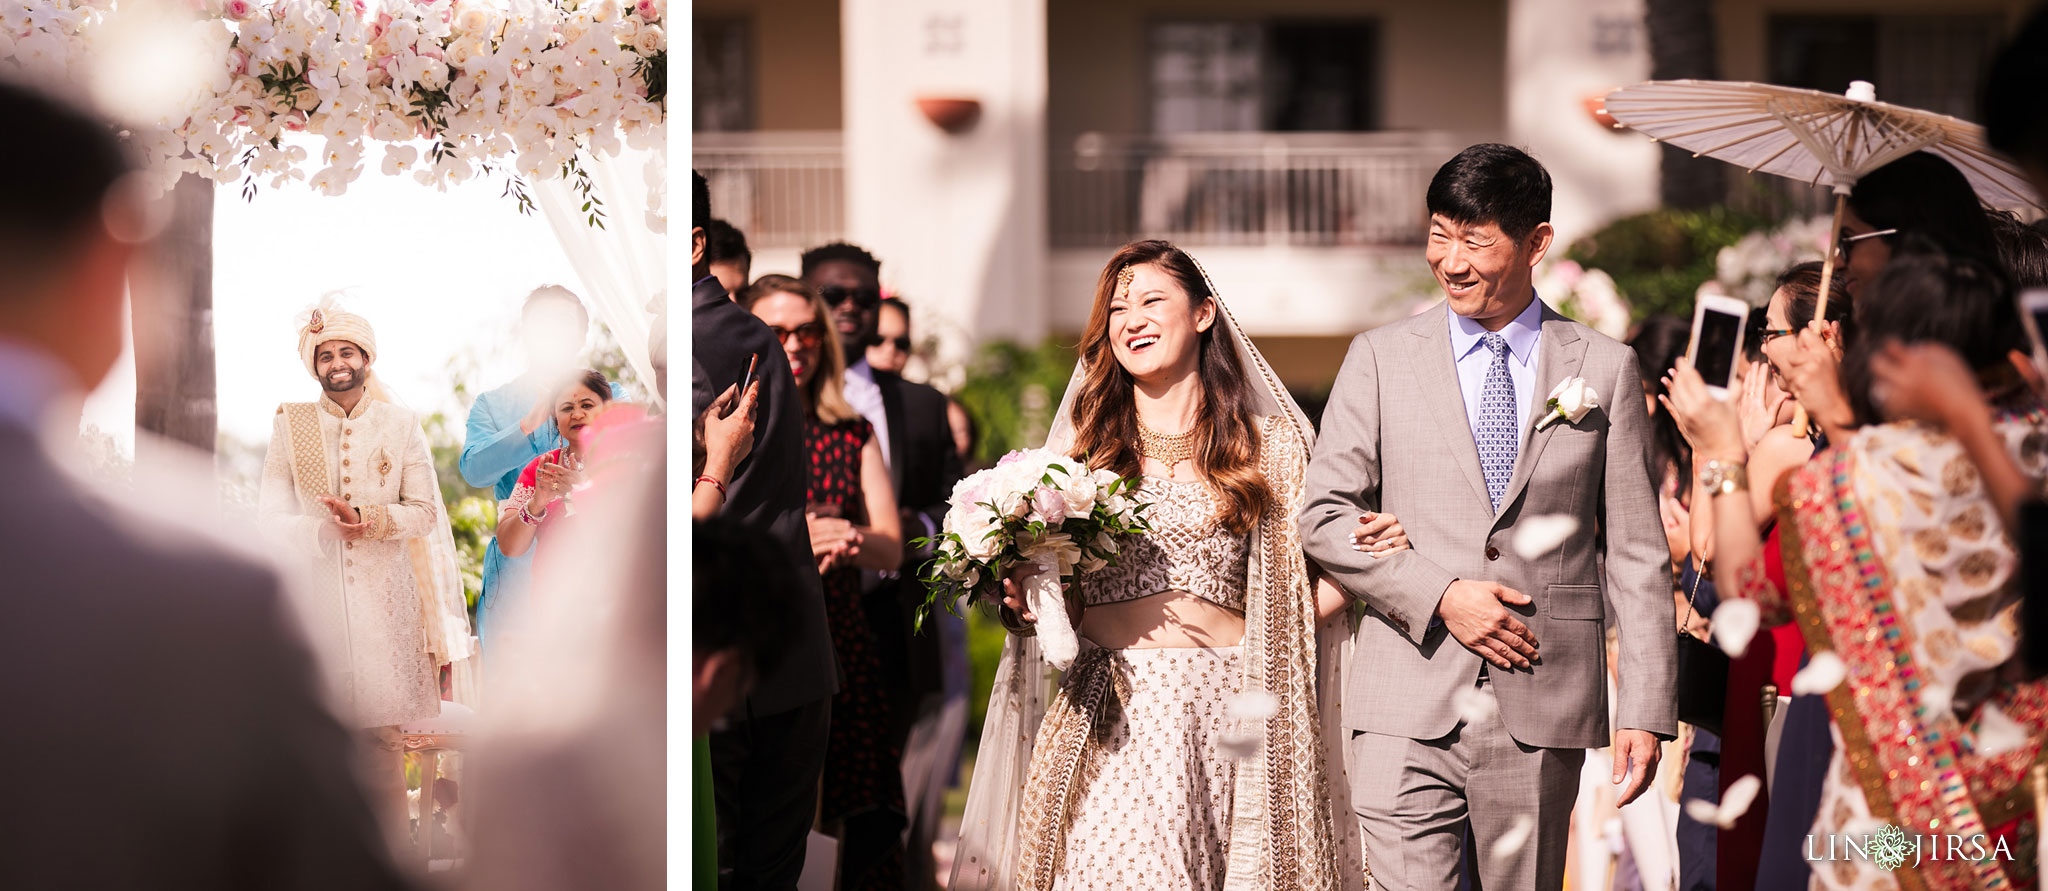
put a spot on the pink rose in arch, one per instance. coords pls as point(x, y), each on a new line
point(295, 121)
point(240, 10)
point(648, 9)
point(238, 61)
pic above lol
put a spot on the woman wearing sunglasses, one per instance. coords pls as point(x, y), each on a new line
point(854, 526)
point(1919, 193)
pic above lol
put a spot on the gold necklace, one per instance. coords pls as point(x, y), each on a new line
point(1169, 450)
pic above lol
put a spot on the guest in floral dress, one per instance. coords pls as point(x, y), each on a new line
point(854, 526)
point(1896, 563)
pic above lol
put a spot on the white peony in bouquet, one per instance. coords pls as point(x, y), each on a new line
point(1045, 515)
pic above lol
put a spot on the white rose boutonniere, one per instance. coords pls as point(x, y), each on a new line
point(1569, 402)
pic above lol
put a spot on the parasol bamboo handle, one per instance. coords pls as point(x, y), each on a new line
point(1827, 280)
point(1827, 263)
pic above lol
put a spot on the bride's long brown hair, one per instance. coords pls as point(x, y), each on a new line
point(1227, 438)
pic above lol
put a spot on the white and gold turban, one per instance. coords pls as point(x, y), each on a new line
point(328, 321)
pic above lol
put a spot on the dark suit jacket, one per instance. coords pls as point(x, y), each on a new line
point(164, 729)
point(923, 466)
point(767, 489)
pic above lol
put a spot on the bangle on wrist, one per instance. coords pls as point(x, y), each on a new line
point(714, 484)
point(1720, 477)
point(526, 516)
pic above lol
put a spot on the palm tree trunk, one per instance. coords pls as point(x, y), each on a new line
point(172, 314)
point(1682, 46)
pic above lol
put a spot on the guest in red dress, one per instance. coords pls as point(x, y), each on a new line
point(854, 527)
point(544, 497)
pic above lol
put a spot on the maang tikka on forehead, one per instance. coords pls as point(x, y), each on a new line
point(1123, 282)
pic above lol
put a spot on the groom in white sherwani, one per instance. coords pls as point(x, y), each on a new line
point(1480, 671)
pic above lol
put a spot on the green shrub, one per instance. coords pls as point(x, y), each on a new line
point(1659, 259)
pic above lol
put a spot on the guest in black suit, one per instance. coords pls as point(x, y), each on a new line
point(165, 729)
point(917, 438)
point(767, 760)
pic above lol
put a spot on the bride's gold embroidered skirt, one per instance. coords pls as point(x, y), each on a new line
point(1132, 745)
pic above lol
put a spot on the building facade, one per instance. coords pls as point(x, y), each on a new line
point(994, 153)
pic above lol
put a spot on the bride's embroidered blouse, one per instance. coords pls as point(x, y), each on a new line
point(1187, 550)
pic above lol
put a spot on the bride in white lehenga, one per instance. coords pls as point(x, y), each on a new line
point(1123, 778)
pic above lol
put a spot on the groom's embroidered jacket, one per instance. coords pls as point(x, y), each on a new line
point(1395, 438)
point(363, 602)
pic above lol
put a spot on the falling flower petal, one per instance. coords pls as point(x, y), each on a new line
point(1735, 623)
point(1512, 841)
point(1936, 698)
point(1473, 705)
point(1238, 745)
point(1251, 705)
point(1822, 673)
point(1537, 536)
point(1998, 733)
point(1734, 803)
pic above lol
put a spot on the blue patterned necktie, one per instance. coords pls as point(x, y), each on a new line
point(1497, 437)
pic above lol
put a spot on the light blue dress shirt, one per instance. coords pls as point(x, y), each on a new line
point(1474, 359)
point(494, 451)
point(31, 383)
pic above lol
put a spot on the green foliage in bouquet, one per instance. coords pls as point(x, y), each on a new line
point(955, 575)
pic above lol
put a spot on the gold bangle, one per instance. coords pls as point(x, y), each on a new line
point(1724, 477)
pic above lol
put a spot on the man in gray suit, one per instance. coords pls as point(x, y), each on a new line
point(1483, 666)
point(164, 727)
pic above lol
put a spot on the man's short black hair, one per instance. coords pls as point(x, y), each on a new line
point(2015, 111)
point(725, 243)
point(840, 251)
point(700, 201)
point(1492, 183)
point(67, 167)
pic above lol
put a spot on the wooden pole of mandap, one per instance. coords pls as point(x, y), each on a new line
point(171, 315)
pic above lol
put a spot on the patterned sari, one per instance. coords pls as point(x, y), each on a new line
point(1896, 563)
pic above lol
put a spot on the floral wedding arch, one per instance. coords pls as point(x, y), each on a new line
point(562, 99)
point(451, 89)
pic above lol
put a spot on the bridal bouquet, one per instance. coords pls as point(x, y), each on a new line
point(1044, 514)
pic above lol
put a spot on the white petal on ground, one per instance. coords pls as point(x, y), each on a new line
point(1511, 842)
point(1473, 705)
point(1998, 733)
point(1822, 673)
point(1735, 624)
point(1251, 705)
point(1537, 536)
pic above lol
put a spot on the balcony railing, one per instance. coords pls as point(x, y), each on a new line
point(1303, 189)
point(783, 189)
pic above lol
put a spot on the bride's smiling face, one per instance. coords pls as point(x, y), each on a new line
point(1155, 330)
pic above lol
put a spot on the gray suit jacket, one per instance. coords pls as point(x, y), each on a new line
point(1395, 439)
point(164, 727)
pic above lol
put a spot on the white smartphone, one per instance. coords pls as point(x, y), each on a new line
point(2034, 316)
point(1716, 348)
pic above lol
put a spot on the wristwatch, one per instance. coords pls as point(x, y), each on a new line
point(1724, 477)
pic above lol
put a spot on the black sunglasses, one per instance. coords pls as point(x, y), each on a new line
point(902, 344)
point(864, 298)
point(807, 335)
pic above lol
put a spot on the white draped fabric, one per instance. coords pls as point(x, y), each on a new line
point(624, 266)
